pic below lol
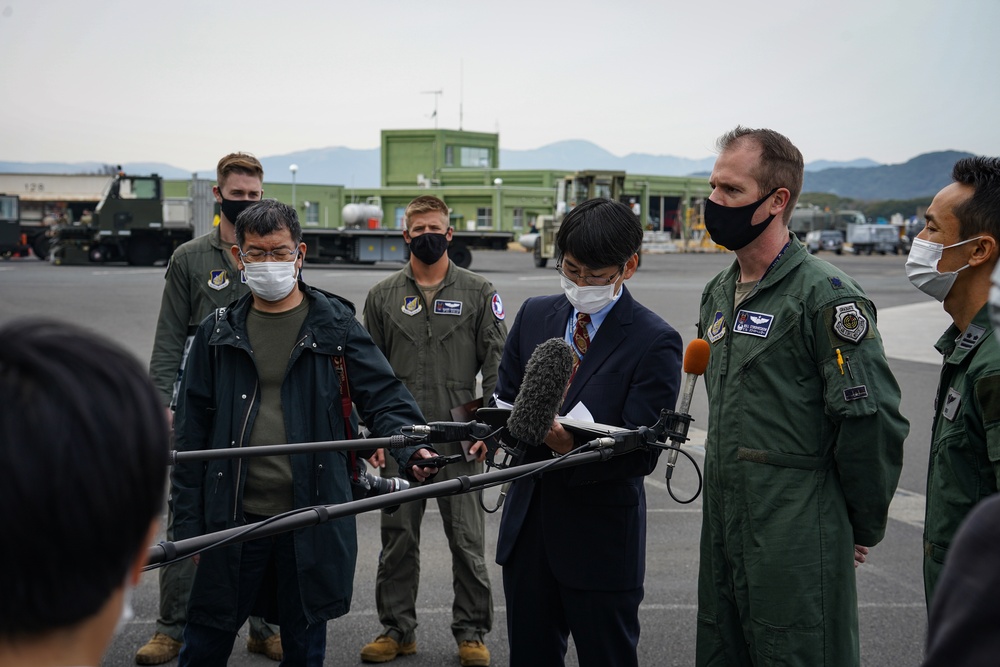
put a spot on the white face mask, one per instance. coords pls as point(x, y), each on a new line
point(921, 267)
point(271, 281)
point(588, 299)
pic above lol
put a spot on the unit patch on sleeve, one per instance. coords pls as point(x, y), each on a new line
point(849, 324)
point(497, 305)
point(218, 279)
point(718, 328)
point(447, 307)
point(754, 324)
point(411, 305)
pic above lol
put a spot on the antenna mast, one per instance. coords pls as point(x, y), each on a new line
point(437, 95)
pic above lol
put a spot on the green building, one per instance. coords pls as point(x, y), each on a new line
point(463, 169)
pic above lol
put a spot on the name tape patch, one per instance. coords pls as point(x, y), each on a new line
point(855, 393)
point(753, 324)
point(447, 307)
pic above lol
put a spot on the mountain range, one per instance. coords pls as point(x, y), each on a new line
point(863, 179)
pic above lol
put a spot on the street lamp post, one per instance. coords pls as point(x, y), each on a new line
point(294, 168)
point(498, 218)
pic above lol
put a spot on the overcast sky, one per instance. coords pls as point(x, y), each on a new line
point(186, 81)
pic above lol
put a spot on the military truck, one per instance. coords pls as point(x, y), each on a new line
point(131, 223)
point(574, 189)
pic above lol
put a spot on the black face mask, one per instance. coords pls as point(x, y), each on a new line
point(231, 208)
point(731, 226)
point(428, 248)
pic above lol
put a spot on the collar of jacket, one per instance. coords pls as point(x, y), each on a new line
point(449, 276)
point(948, 345)
point(215, 238)
point(794, 255)
point(324, 331)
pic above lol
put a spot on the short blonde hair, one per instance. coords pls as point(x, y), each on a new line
point(426, 204)
point(238, 163)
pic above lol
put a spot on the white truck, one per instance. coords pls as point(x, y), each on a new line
point(868, 238)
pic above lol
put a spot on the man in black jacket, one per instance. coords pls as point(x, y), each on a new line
point(273, 369)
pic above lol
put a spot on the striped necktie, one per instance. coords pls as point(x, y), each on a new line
point(581, 341)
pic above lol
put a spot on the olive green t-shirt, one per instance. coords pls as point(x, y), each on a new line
point(268, 488)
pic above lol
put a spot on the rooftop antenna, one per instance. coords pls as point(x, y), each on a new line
point(437, 95)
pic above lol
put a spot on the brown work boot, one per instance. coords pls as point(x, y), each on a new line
point(270, 647)
point(158, 650)
point(385, 648)
point(473, 654)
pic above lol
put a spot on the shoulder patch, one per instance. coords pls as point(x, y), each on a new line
point(218, 279)
point(836, 282)
point(718, 328)
point(496, 304)
point(848, 322)
point(411, 305)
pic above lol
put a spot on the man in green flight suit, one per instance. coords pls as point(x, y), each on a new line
point(439, 326)
point(201, 276)
point(951, 260)
point(805, 439)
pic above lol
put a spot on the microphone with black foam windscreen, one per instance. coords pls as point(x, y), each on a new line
point(695, 362)
point(537, 404)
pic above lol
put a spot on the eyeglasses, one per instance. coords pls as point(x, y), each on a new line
point(592, 281)
point(279, 254)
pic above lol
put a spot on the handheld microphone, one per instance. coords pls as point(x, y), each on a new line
point(542, 389)
point(695, 363)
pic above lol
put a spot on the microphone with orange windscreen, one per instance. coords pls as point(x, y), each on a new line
point(695, 363)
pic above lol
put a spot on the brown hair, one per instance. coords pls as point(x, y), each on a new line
point(238, 163)
point(781, 164)
point(426, 204)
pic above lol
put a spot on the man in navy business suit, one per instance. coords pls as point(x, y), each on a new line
point(572, 543)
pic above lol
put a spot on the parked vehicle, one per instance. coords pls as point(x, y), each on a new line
point(868, 238)
point(825, 239)
point(132, 223)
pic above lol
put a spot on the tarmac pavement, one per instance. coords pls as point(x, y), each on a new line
point(123, 302)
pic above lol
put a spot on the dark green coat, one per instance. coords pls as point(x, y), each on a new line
point(801, 462)
point(964, 462)
point(216, 409)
